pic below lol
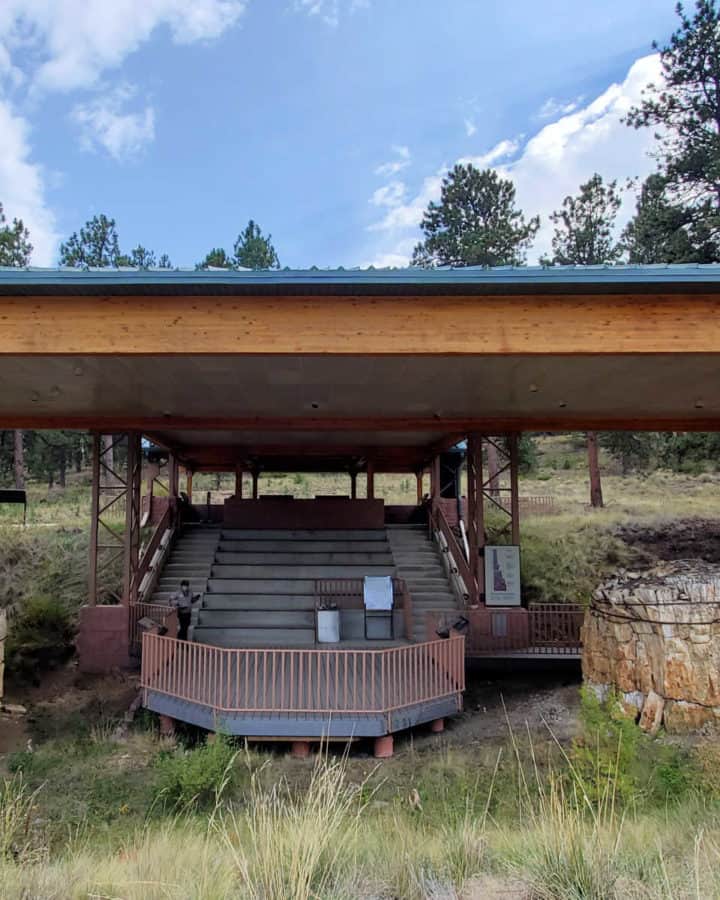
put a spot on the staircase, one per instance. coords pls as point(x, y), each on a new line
point(258, 586)
point(261, 589)
point(419, 563)
point(191, 558)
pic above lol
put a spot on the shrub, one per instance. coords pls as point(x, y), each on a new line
point(196, 778)
point(41, 636)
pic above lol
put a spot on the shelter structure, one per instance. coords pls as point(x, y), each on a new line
point(355, 372)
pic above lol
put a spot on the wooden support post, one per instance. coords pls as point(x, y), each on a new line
point(514, 444)
point(370, 480)
point(419, 485)
point(596, 497)
point(383, 747)
point(437, 726)
point(255, 483)
point(132, 518)
point(435, 479)
point(238, 481)
point(173, 476)
point(300, 749)
point(94, 516)
point(475, 514)
point(188, 484)
point(353, 484)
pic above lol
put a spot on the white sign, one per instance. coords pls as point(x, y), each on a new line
point(502, 576)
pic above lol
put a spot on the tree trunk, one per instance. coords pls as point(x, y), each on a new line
point(493, 478)
point(62, 469)
point(596, 497)
point(19, 462)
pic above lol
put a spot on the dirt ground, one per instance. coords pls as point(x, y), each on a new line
point(683, 539)
point(519, 694)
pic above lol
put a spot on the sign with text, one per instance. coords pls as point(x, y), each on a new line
point(502, 576)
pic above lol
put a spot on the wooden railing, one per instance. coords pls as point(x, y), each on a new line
point(556, 626)
point(541, 629)
point(154, 556)
point(449, 544)
point(348, 593)
point(357, 682)
point(163, 615)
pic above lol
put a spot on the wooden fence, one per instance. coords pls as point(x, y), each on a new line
point(356, 682)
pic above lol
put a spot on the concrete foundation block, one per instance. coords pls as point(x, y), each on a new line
point(437, 726)
point(167, 726)
point(300, 749)
point(103, 641)
point(383, 747)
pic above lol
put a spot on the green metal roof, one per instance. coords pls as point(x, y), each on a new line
point(508, 280)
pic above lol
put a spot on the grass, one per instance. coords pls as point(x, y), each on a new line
point(431, 825)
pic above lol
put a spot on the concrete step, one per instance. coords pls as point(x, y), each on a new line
point(303, 546)
point(298, 587)
point(276, 618)
point(306, 559)
point(258, 601)
point(296, 571)
point(255, 638)
point(237, 534)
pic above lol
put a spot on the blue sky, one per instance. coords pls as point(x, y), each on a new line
point(330, 122)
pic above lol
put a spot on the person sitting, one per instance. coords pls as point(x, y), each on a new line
point(182, 601)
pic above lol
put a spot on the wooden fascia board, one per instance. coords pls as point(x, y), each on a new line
point(488, 425)
point(445, 325)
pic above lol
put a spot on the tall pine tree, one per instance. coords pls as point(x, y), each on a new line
point(685, 113)
point(476, 223)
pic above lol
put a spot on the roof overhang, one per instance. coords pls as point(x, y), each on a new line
point(339, 367)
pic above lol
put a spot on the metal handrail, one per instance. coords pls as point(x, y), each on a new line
point(457, 559)
point(357, 682)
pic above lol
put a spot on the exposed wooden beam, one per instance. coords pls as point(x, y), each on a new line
point(338, 325)
point(488, 425)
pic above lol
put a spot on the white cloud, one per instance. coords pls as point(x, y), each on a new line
point(329, 11)
point(470, 127)
point(22, 189)
point(551, 165)
point(389, 195)
point(388, 169)
point(552, 108)
point(105, 123)
point(65, 45)
point(69, 43)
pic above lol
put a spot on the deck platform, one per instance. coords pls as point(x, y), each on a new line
point(294, 693)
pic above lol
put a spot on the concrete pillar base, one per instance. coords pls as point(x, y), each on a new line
point(383, 747)
point(437, 726)
point(167, 726)
point(300, 749)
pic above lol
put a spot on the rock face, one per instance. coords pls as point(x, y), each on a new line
point(655, 638)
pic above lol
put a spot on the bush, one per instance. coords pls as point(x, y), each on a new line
point(41, 636)
point(196, 778)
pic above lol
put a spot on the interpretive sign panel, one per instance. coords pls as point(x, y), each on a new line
point(502, 576)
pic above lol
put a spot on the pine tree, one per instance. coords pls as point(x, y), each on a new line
point(96, 246)
point(685, 113)
point(253, 250)
point(217, 258)
point(584, 227)
point(15, 246)
point(476, 223)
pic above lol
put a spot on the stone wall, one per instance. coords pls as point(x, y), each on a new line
point(655, 638)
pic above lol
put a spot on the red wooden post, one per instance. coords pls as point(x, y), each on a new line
point(94, 516)
point(435, 479)
point(132, 517)
point(238, 481)
point(514, 443)
point(476, 519)
point(596, 497)
point(255, 483)
point(419, 485)
point(188, 484)
point(353, 484)
point(370, 480)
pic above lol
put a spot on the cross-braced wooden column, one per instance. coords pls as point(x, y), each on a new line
point(475, 517)
point(500, 489)
point(115, 517)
